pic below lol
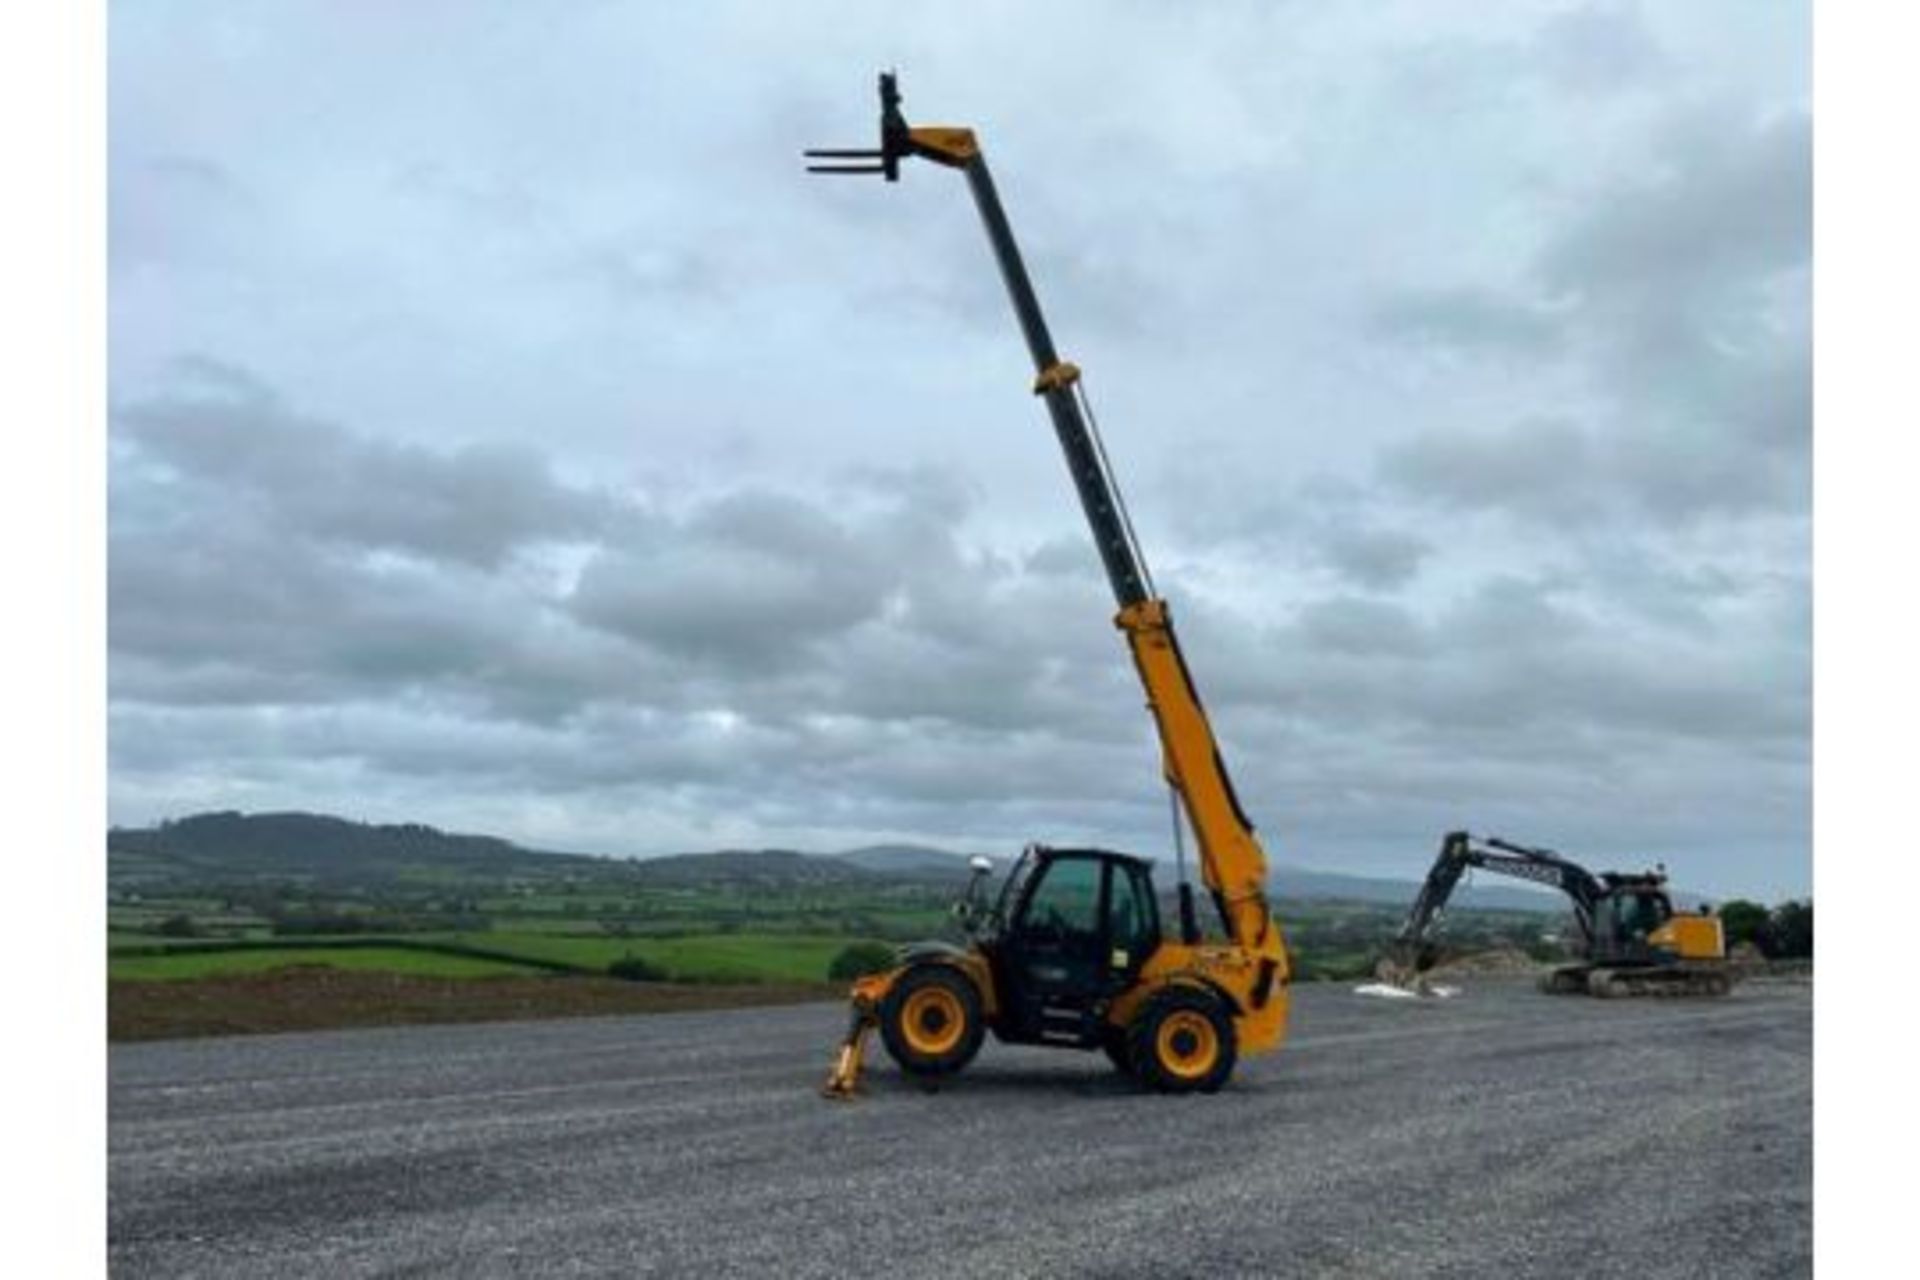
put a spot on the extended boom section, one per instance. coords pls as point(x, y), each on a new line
point(1174, 1011)
point(1232, 863)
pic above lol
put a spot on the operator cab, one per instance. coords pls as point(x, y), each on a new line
point(1071, 930)
point(1632, 909)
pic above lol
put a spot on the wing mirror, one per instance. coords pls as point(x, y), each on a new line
point(972, 907)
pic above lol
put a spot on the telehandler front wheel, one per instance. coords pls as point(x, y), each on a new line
point(931, 1020)
point(1182, 1041)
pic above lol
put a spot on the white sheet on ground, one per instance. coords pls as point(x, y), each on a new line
point(1387, 991)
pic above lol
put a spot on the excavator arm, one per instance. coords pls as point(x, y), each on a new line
point(1232, 864)
point(1413, 951)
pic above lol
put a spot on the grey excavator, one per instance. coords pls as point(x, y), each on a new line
point(1632, 940)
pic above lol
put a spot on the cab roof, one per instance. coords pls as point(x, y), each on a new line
point(1113, 855)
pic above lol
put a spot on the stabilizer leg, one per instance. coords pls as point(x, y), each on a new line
point(844, 1079)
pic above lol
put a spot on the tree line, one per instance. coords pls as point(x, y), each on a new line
point(1784, 932)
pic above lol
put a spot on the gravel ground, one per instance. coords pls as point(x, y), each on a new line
point(1499, 1133)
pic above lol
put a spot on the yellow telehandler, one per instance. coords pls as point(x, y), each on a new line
point(1072, 952)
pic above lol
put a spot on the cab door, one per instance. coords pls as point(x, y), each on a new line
point(1053, 954)
point(1081, 935)
point(1132, 924)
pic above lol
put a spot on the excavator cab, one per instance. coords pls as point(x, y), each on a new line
point(1627, 916)
point(1635, 924)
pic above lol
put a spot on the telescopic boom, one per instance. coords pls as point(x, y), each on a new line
point(1232, 863)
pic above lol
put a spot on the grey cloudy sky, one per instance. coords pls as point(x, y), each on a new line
point(506, 434)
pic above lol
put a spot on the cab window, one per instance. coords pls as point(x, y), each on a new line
point(1129, 918)
point(1641, 913)
point(1066, 902)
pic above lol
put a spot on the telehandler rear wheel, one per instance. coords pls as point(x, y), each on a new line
point(1182, 1041)
point(931, 1020)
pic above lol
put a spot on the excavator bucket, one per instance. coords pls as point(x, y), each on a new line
point(1405, 965)
point(1404, 971)
point(1393, 973)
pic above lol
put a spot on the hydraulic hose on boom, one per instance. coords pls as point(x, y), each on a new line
point(1232, 863)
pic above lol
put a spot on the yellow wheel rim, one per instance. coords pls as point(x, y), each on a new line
point(1187, 1044)
point(932, 1020)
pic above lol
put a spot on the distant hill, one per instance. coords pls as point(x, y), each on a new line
point(907, 859)
point(769, 867)
point(1332, 886)
point(318, 847)
point(236, 847)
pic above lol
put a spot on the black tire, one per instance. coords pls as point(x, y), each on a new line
point(1170, 1019)
point(918, 1020)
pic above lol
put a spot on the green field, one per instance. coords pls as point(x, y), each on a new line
point(714, 957)
point(711, 957)
point(428, 964)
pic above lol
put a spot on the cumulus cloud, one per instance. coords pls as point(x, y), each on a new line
point(751, 579)
point(1600, 48)
point(1684, 294)
point(239, 446)
point(846, 656)
point(1469, 318)
point(624, 489)
point(1375, 557)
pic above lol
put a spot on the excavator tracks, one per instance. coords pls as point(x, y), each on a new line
point(1612, 984)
